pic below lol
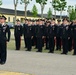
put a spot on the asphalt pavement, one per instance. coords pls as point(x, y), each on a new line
point(34, 63)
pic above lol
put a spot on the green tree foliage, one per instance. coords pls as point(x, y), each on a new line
point(49, 13)
point(72, 12)
point(42, 4)
point(59, 5)
point(0, 2)
point(26, 2)
point(34, 11)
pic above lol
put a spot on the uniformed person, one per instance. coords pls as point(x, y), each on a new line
point(58, 39)
point(74, 36)
point(29, 36)
point(24, 31)
point(40, 35)
point(51, 34)
point(4, 30)
point(65, 35)
point(36, 25)
point(33, 28)
point(46, 34)
point(18, 34)
point(70, 40)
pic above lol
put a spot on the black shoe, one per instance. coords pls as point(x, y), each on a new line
point(74, 54)
point(2, 63)
point(26, 50)
point(64, 53)
point(50, 52)
point(38, 51)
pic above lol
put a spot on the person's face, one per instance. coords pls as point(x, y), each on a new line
point(52, 22)
point(59, 23)
point(2, 20)
point(33, 23)
point(18, 23)
point(37, 22)
point(48, 24)
point(26, 21)
point(40, 22)
point(65, 22)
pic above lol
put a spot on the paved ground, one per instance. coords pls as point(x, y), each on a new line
point(39, 63)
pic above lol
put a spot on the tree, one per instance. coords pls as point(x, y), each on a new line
point(34, 11)
point(42, 4)
point(49, 13)
point(69, 10)
point(15, 7)
point(26, 2)
point(0, 2)
point(59, 5)
point(72, 12)
point(54, 5)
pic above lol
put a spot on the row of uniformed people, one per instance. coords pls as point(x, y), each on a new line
point(34, 34)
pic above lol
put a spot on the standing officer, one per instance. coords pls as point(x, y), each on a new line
point(71, 36)
point(29, 36)
point(58, 39)
point(65, 35)
point(74, 36)
point(51, 34)
point(33, 28)
point(4, 30)
point(24, 31)
point(40, 35)
point(18, 34)
point(36, 26)
point(46, 34)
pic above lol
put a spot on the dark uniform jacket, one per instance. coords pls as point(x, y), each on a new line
point(40, 30)
point(64, 31)
point(71, 30)
point(51, 31)
point(58, 30)
point(24, 29)
point(18, 30)
point(4, 30)
point(46, 30)
point(74, 31)
point(29, 31)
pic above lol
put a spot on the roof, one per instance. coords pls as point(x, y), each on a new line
point(11, 12)
point(22, 13)
point(57, 16)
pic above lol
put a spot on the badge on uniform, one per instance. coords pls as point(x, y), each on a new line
point(53, 28)
point(30, 28)
point(4, 28)
point(18, 28)
point(67, 28)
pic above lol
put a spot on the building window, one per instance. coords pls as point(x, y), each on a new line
point(13, 19)
point(8, 19)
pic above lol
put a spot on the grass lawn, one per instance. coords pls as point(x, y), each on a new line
point(11, 45)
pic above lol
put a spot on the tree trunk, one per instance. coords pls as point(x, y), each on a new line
point(42, 8)
point(25, 10)
point(15, 15)
point(60, 14)
point(55, 14)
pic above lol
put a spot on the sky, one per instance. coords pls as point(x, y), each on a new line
point(9, 4)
